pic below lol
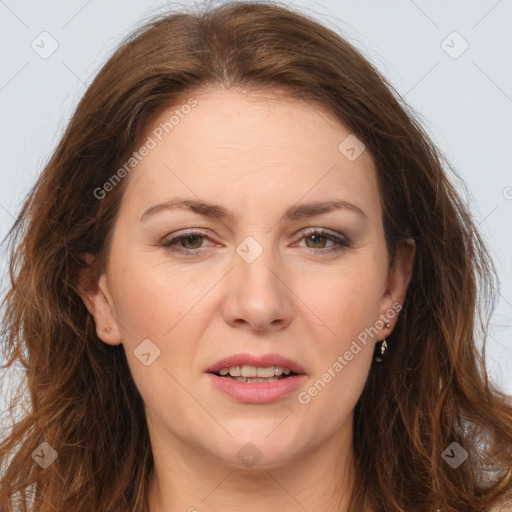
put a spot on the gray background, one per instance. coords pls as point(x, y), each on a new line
point(464, 96)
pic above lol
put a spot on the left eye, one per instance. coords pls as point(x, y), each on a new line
point(191, 242)
point(319, 236)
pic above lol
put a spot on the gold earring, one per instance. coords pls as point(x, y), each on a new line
point(381, 347)
point(107, 329)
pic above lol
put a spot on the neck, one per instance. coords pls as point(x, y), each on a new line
point(186, 479)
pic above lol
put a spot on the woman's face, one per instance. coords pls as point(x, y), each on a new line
point(270, 277)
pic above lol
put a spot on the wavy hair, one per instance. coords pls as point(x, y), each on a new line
point(433, 388)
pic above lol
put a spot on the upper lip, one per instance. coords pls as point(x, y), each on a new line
point(258, 361)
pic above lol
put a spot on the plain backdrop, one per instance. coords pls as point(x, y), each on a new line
point(449, 60)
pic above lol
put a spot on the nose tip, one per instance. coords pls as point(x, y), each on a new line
point(262, 326)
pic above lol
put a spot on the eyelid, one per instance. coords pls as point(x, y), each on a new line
point(323, 231)
point(184, 234)
point(339, 239)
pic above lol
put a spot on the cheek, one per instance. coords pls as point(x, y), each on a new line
point(153, 299)
point(347, 310)
point(164, 307)
point(346, 301)
point(350, 308)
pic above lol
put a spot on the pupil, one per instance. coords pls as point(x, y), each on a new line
point(311, 237)
point(191, 237)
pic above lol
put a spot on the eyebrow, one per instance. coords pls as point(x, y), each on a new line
point(296, 212)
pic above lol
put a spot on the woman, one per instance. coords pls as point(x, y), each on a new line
point(244, 281)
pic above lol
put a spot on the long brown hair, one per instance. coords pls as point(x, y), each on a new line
point(431, 391)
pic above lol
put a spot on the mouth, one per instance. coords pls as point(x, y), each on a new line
point(255, 374)
point(256, 379)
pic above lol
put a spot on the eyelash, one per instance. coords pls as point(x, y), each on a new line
point(342, 242)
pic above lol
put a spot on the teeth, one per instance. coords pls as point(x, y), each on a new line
point(254, 379)
point(246, 371)
point(234, 371)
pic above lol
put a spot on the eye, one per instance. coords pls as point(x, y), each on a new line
point(318, 237)
point(190, 242)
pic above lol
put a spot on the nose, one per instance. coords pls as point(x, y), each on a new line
point(257, 296)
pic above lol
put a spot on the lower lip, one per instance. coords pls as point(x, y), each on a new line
point(257, 392)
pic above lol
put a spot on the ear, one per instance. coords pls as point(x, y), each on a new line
point(398, 280)
point(93, 288)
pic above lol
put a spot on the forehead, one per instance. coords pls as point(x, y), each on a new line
point(250, 147)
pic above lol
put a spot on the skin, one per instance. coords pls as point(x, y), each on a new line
point(255, 154)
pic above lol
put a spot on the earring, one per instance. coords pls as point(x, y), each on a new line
point(380, 348)
point(107, 329)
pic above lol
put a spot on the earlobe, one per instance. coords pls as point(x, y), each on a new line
point(97, 298)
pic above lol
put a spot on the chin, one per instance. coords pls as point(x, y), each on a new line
point(257, 450)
